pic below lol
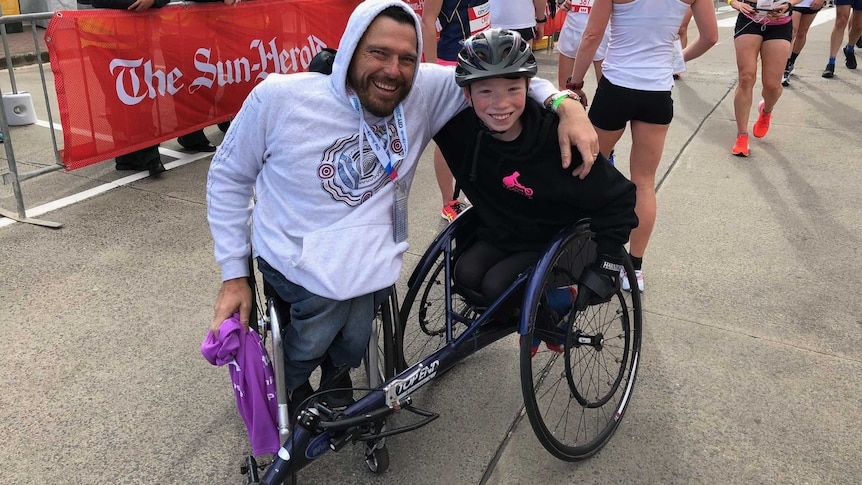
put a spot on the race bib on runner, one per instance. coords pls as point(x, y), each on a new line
point(480, 18)
point(582, 6)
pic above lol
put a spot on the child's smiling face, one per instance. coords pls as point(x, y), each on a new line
point(499, 103)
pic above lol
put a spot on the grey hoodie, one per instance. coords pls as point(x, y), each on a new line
point(323, 216)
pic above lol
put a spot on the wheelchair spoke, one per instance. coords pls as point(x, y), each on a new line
point(424, 316)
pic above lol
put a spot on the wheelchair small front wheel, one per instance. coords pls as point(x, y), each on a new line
point(578, 369)
point(377, 458)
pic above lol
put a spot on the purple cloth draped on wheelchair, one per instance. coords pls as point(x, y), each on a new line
point(252, 378)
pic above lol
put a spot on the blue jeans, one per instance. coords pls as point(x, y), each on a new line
point(320, 326)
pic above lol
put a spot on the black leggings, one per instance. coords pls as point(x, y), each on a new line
point(489, 271)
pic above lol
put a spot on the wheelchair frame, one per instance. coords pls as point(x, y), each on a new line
point(319, 429)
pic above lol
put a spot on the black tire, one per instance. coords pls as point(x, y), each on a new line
point(377, 460)
point(385, 321)
point(422, 326)
point(575, 399)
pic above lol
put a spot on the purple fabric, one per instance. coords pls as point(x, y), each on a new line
point(253, 382)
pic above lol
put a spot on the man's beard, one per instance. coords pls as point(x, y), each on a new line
point(374, 105)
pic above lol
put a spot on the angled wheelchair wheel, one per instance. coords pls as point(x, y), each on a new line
point(423, 315)
point(578, 369)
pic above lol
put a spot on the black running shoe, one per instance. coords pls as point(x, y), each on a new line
point(849, 57)
point(829, 72)
point(785, 79)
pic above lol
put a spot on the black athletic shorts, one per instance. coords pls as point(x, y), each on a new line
point(856, 4)
point(614, 106)
point(527, 34)
point(745, 25)
point(806, 10)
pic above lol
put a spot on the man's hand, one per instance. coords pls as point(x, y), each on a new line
point(235, 295)
point(576, 130)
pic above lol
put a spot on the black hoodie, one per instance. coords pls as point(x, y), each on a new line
point(522, 194)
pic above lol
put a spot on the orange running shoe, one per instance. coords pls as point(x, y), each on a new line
point(761, 126)
point(740, 148)
point(452, 210)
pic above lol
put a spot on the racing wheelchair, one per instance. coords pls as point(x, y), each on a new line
point(577, 368)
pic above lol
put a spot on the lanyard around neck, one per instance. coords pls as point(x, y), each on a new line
point(380, 147)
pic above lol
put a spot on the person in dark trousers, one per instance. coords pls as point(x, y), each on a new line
point(504, 154)
point(149, 158)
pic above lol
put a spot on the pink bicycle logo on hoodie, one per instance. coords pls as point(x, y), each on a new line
point(511, 183)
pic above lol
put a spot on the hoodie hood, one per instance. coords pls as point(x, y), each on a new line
point(360, 19)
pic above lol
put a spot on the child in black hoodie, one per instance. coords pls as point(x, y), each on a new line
point(504, 153)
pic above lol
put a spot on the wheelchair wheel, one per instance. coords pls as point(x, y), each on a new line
point(422, 329)
point(578, 383)
point(381, 366)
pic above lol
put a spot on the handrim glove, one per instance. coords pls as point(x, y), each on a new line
point(599, 282)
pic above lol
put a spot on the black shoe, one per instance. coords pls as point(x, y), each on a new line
point(201, 147)
point(139, 160)
point(829, 72)
point(788, 71)
point(156, 168)
point(849, 57)
point(859, 42)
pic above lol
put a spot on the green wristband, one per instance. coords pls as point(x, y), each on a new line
point(557, 102)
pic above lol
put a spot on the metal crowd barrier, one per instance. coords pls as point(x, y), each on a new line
point(13, 177)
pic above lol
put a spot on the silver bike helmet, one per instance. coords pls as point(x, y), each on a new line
point(494, 53)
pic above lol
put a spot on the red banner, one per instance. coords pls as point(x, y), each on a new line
point(417, 5)
point(555, 24)
point(127, 80)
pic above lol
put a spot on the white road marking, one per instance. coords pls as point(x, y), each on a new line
point(182, 159)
